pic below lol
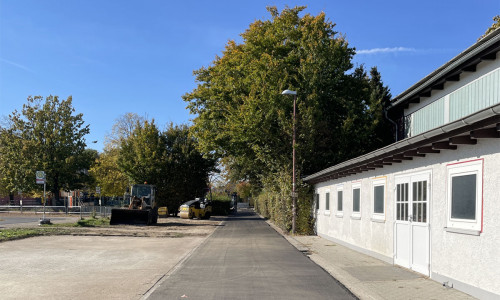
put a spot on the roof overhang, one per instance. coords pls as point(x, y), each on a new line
point(484, 124)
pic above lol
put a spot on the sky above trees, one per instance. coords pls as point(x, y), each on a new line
point(115, 57)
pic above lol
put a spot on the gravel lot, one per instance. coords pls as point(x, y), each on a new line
point(115, 262)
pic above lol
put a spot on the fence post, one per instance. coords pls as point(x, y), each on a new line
point(81, 218)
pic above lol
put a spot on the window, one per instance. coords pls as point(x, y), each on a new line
point(402, 201)
point(316, 201)
point(327, 201)
point(340, 201)
point(465, 195)
point(378, 199)
point(356, 200)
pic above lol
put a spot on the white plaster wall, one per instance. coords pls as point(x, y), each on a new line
point(474, 260)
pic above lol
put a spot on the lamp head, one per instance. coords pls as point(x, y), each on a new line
point(288, 92)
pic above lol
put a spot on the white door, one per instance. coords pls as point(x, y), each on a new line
point(412, 240)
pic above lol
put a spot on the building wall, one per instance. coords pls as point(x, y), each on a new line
point(482, 69)
point(468, 262)
point(453, 102)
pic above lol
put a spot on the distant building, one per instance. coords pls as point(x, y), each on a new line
point(431, 201)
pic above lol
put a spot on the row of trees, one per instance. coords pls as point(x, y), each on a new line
point(47, 135)
point(243, 119)
point(138, 151)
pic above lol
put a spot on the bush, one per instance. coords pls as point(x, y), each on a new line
point(221, 207)
point(275, 202)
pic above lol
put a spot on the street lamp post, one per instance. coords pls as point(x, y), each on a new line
point(294, 194)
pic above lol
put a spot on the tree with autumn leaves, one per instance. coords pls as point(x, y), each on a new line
point(242, 116)
point(46, 135)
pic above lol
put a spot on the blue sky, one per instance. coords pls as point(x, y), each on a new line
point(116, 57)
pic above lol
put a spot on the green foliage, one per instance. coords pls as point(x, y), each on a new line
point(142, 154)
point(92, 222)
point(219, 197)
point(221, 207)
point(241, 114)
point(22, 233)
point(107, 174)
point(170, 160)
point(187, 169)
point(46, 136)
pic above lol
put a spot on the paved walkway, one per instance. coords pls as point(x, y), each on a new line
point(367, 277)
point(246, 259)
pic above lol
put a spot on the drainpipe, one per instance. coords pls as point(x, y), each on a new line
point(393, 123)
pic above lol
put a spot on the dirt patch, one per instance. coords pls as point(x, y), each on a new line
point(171, 227)
point(168, 227)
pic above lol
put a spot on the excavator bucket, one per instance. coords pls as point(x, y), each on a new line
point(131, 217)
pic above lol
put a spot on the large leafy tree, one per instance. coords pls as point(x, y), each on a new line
point(187, 169)
point(143, 154)
point(170, 160)
point(107, 174)
point(48, 136)
point(242, 116)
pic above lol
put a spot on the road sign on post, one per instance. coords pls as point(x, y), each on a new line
point(40, 177)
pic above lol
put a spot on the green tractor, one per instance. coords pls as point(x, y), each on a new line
point(142, 210)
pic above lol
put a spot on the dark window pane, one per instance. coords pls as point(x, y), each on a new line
point(339, 200)
point(317, 201)
point(378, 203)
point(398, 193)
point(355, 202)
point(424, 218)
point(327, 201)
point(406, 192)
point(463, 197)
point(414, 192)
point(425, 191)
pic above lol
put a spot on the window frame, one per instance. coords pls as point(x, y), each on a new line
point(356, 214)
point(377, 182)
point(474, 167)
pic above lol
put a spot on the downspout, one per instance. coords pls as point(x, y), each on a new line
point(394, 123)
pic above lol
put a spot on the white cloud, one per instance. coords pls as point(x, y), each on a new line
point(386, 50)
point(17, 65)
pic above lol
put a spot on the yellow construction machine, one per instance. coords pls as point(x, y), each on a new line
point(195, 209)
point(142, 210)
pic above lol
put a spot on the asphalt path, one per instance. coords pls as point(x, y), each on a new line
point(247, 259)
point(7, 220)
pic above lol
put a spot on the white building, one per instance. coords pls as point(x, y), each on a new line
point(431, 201)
